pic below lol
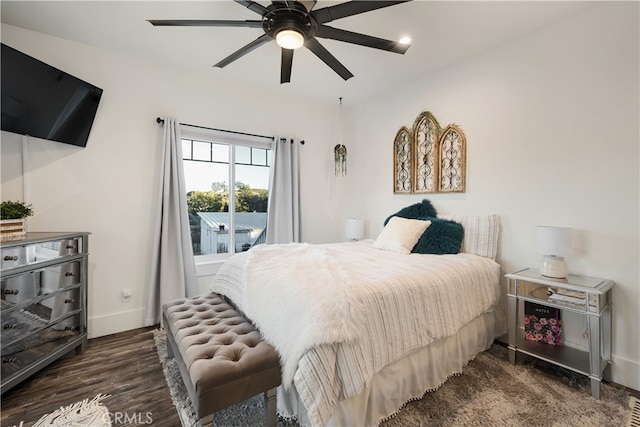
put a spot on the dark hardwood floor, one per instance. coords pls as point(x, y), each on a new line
point(124, 365)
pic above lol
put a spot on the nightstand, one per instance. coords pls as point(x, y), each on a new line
point(588, 297)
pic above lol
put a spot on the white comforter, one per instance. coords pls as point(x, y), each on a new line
point(338, 313)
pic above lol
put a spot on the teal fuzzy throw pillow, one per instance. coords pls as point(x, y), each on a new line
point(416, 211)
point(441, 237)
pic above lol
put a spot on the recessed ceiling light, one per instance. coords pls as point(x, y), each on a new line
point(405, 40)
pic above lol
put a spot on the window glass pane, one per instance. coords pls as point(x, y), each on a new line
point(186, 149)
point(221, 153)
point(259, 156)
point(252, 191)
point(243, 155)
point(208, 205)
point(201, 150)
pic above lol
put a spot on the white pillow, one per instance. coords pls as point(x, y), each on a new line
point(481, 234)
point(401, 234)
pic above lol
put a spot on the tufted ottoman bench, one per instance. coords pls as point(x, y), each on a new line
point(222, 357)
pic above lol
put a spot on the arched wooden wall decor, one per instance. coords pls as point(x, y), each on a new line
point(402, 161)
point(427, 159)
point(452, 164)
point(426, 134)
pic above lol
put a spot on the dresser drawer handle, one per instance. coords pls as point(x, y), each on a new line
point(68, 273)
point(69, 301)
point(70, 247)
point(11, 257)
point(11, 291)
point(9, 359)
point(71, 328)
point(10, 325)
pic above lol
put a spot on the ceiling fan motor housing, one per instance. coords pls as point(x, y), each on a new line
point(293, 17)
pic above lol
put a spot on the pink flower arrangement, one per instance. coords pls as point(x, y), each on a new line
point(545, 330)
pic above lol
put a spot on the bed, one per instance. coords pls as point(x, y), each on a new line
point(361, 330)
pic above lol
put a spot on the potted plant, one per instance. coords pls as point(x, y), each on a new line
point(12, 219)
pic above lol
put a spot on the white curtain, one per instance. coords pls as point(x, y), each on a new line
point(173, 273)
point(283, 213)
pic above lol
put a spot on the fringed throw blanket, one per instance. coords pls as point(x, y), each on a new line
point(339, 313)
point(302, 296)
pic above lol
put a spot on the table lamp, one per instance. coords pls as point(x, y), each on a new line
point(553, 243)
point(353, 229)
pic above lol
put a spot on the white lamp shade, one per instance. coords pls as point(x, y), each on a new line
point(553, 240)
point(353, 229)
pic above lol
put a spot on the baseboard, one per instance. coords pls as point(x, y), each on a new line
point(625, 372)
point(116, 322)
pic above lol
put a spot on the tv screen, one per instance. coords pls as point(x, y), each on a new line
point(41, 101)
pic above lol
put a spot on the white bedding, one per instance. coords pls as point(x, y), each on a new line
point(389, 305)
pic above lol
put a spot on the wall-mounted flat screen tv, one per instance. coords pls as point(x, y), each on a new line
point(44, 102)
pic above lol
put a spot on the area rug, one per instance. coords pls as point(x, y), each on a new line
point(86, 413)
point(489, 392)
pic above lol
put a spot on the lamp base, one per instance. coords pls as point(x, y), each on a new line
point(554, 266)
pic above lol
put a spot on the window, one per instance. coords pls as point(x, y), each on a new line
point(211, 161)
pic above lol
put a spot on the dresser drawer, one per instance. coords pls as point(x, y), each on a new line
point(32, 254)
point(55, 311)
point(36, 346)
point(38, 283)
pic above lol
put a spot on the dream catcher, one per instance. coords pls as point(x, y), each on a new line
point(340, 151)
point(340, 158)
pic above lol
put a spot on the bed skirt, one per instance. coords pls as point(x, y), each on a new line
point(423, 370)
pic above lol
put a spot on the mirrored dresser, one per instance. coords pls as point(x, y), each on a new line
point(43, 280)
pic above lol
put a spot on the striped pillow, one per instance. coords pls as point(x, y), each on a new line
point(480, 233)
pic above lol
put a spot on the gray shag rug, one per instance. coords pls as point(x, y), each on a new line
point(489, 392)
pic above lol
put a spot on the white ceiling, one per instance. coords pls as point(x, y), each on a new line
point(442, 32)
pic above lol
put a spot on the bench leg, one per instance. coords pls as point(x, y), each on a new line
point(270, 404)
point(169, 351)
point(207, 421)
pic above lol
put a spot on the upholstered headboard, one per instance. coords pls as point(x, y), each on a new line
point(480, 233)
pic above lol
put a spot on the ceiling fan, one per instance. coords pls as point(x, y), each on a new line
point(294, 24)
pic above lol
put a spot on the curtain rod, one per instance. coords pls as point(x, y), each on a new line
point(161, 121)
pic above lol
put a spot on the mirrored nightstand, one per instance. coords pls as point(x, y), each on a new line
point(588, 297)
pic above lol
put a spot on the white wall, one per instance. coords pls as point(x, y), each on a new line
point(552, 127)
point(108, 187)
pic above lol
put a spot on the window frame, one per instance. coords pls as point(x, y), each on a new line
point(207, 265)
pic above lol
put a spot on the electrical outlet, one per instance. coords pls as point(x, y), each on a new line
point(127, 295)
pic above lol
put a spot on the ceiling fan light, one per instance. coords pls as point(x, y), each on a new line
point(289, 39)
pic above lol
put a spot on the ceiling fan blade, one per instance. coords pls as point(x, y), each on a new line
point(327, 32)
point(285, 65)
point(314, 46)
point(342, 10)
point(308, 4)
point(244, 50)
point(251, 5)
point(203, 23)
